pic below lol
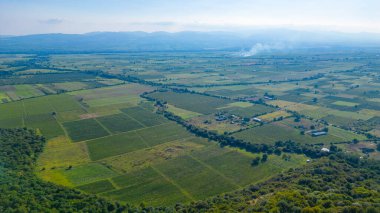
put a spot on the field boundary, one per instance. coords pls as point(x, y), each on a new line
point(148, 147)
point(215, 171)
point(134, 119)
point(182, 190)
point(119, 133)
point(104, 127)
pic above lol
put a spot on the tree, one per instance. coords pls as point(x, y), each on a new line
point(333, 148)
point(286, 157)
point(297, 119)
point(255, 161)
point(264, 158)
point(277, 152)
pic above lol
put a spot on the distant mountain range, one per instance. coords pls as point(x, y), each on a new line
point(181, 41)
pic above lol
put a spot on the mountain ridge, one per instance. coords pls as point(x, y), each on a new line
point(179, 41)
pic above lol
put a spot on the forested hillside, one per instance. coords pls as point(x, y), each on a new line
point(336, 184)
point(22, 191)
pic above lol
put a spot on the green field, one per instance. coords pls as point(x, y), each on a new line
point(197, 179)
point(87, 173)
point(114, 145)
point(198, 175)
point(123, 94)
point(264, 135)
point(97, 187)
point(59, 152)
point(46, 123)
point(120, 123)
point(84, 130)
point(345, 103)
point(185, 114)
point(69, 86)
point(162, 133)
point(143, 116)
point(191, 102)
point(146, 186)
point(249, 111)
point(24, 91)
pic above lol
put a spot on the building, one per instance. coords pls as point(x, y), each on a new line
point(221, 118)
point(257, 119)
point(268, 98)
point(325, 149)
point(316, 134)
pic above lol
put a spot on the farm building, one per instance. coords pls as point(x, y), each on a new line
point(268, 98)
point(325, 149)
point(221, 118)
point(316, 134)
point(257, 119)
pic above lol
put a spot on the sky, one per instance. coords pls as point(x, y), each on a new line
point(21, 17)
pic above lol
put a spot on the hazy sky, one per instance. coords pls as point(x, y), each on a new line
point(80, 16)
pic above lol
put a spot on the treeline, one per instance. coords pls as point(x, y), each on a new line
point(44, 78)
point(314, 77)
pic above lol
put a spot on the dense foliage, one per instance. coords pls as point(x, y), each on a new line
point(331, 184)
point(22, 191)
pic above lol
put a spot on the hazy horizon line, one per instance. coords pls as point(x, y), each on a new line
point(236, 32)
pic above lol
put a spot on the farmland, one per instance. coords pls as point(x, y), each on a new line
point(191, 102)
point(135, 128)
point(94, 150)
point(263, 134)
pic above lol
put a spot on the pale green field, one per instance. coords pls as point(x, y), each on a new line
point(345, 103)
point(24, 91)
point(369, 112)
point(126, 93)
point(319, 112)
point(69, 86)
point(276, 114)
point(344, 134)
point(36, 71)
point(185, 114)
point(323, 112)
point(238, 104)
point(114, 100)
point(4, 96)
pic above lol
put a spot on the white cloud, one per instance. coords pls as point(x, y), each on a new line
point(52, 21)
point(72, 16)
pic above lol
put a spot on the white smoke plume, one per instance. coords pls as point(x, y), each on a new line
point(260, 48)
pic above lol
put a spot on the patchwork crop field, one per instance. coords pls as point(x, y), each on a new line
point(177, 127)
point(191, 102)
point(127, 151)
